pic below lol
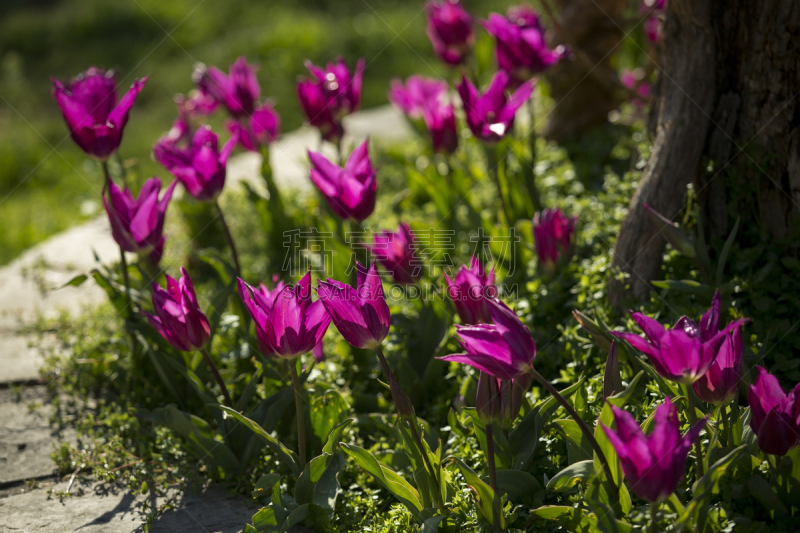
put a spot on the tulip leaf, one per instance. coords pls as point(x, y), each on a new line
point(264, 483)
point(390, 480)
point(284, 454)
point(318, 482)
point(578, 446)
point(726, 249)
point(570, 476)
point(709, 483)
point(749, 437)
point(327, 412)
point(687, 285)
point(295, 517)
point(432, 524)
point(77, 281)
point(520, 487)
point(502, 448)
point(570, 518)
point(489, 504)
point(762, 491)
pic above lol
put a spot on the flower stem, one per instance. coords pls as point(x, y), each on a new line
point(494, 170)
point(492, 474)
point(217, 377)
point(584, 428)
point(123, 263)
point(698, 447)
point(301, 422)
point(234, 253)
point(653, 517)
point(726, 425)
point(530, 174)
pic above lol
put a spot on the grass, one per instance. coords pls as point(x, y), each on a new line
point(46, 182)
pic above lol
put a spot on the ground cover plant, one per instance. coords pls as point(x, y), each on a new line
point(426, 344)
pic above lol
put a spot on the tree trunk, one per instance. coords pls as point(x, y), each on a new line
point(585, 88)
point(729, 78)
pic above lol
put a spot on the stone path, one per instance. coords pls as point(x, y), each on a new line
point(26, 436)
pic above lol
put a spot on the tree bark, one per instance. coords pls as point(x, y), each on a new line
point(727, 120)
point(585, 91)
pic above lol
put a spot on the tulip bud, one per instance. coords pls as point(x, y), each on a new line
point(513, 394)
point(450, 30)
point(349, 191)
point(490, 116)
point(598, 335)
point(678, 239)
point(397, 253)
point(178, 317)
point(487, 399)
point(612, 381)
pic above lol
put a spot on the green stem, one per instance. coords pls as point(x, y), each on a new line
point(530, 174)
point(584, 428)
point(494, 170)
point(698, 447)
point(123, 263)
point(492, 474)
point(301, 423)
point(726, 425)
point(229, 236)
point(654, 517)
point(217, 377)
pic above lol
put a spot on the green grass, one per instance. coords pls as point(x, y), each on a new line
point(45, 179)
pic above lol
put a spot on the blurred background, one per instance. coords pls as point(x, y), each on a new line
point(47, 183)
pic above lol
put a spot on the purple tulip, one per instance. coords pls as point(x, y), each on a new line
point(397, 252)
point(471, 291)
point(685, 352)
point(491, 116)
point(642, 88)
point(440, 119)
point(450, 30)
point(288, 324)
point(361, 315)
point(330, 96)
point(521, 48)
point(94, 117)
point(350, 191)
point(653, 26)
point(178, 316)
point(416, 95)
point(201, 166)
point(720, 383)
point(137, 224)
point(775, 415)
point(654, 465)
point(264, 124)
point(503, 349)
point(554, 237)
point(197, 103)
point(238, 92)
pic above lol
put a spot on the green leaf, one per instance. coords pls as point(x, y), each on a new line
point(571, 475)
point(709, 483)
point(762, 491)
point(265, 520)
point(687, 285)
point(265, 483)
point(572, 519)
point(390, 480)
point(726, 249)
point(519, 486)
point(284, 454)
point(490, 509)
point(296, 516)
point(502, 448)
point(77, 281)
point(327, 412)
point(318, 483)
point(578, 446)
point(432, 524)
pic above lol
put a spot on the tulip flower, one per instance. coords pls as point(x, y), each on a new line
point(264, 124)
point(685, 352)
point(329, 97)
point(450, 30)
point(491, 116)
point(137, 224)
point(440, 119)
point(653, 26)
point(292, 325)
point(503, 349)
point(349, 191)
point(200, 167)
point(238, 91)
point(718, 386)
point(95, 118)
point(521, 48)
point(554, 236)
point(397, 253)
point(642, 88)
point(775, 415)
point(655, 464)
point(471, 291)
point(178, 317)
point(361, 315)
point(416, 94)
point(197, 103)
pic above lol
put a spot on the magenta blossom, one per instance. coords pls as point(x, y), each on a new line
point(361, 315)
point(642, 88)
point(775, 415)
point(471, 291)
point(553, 236)
point(504, 349)
point(653, 26)
point(238, 91)
point(685, 352)
point(178, 317)
point(521, 48)
point(450, 30)
point(330, 96)
point(289, 325)
point(440, 119)
point(94, 117)
point(349, 191)
point(720, 383)
point(200, 167)
point(491, 116)
point(264, 124)
point(654, 465)
point(137, 224)
point(197, 103)
point(397, 253)
point(416, 95)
